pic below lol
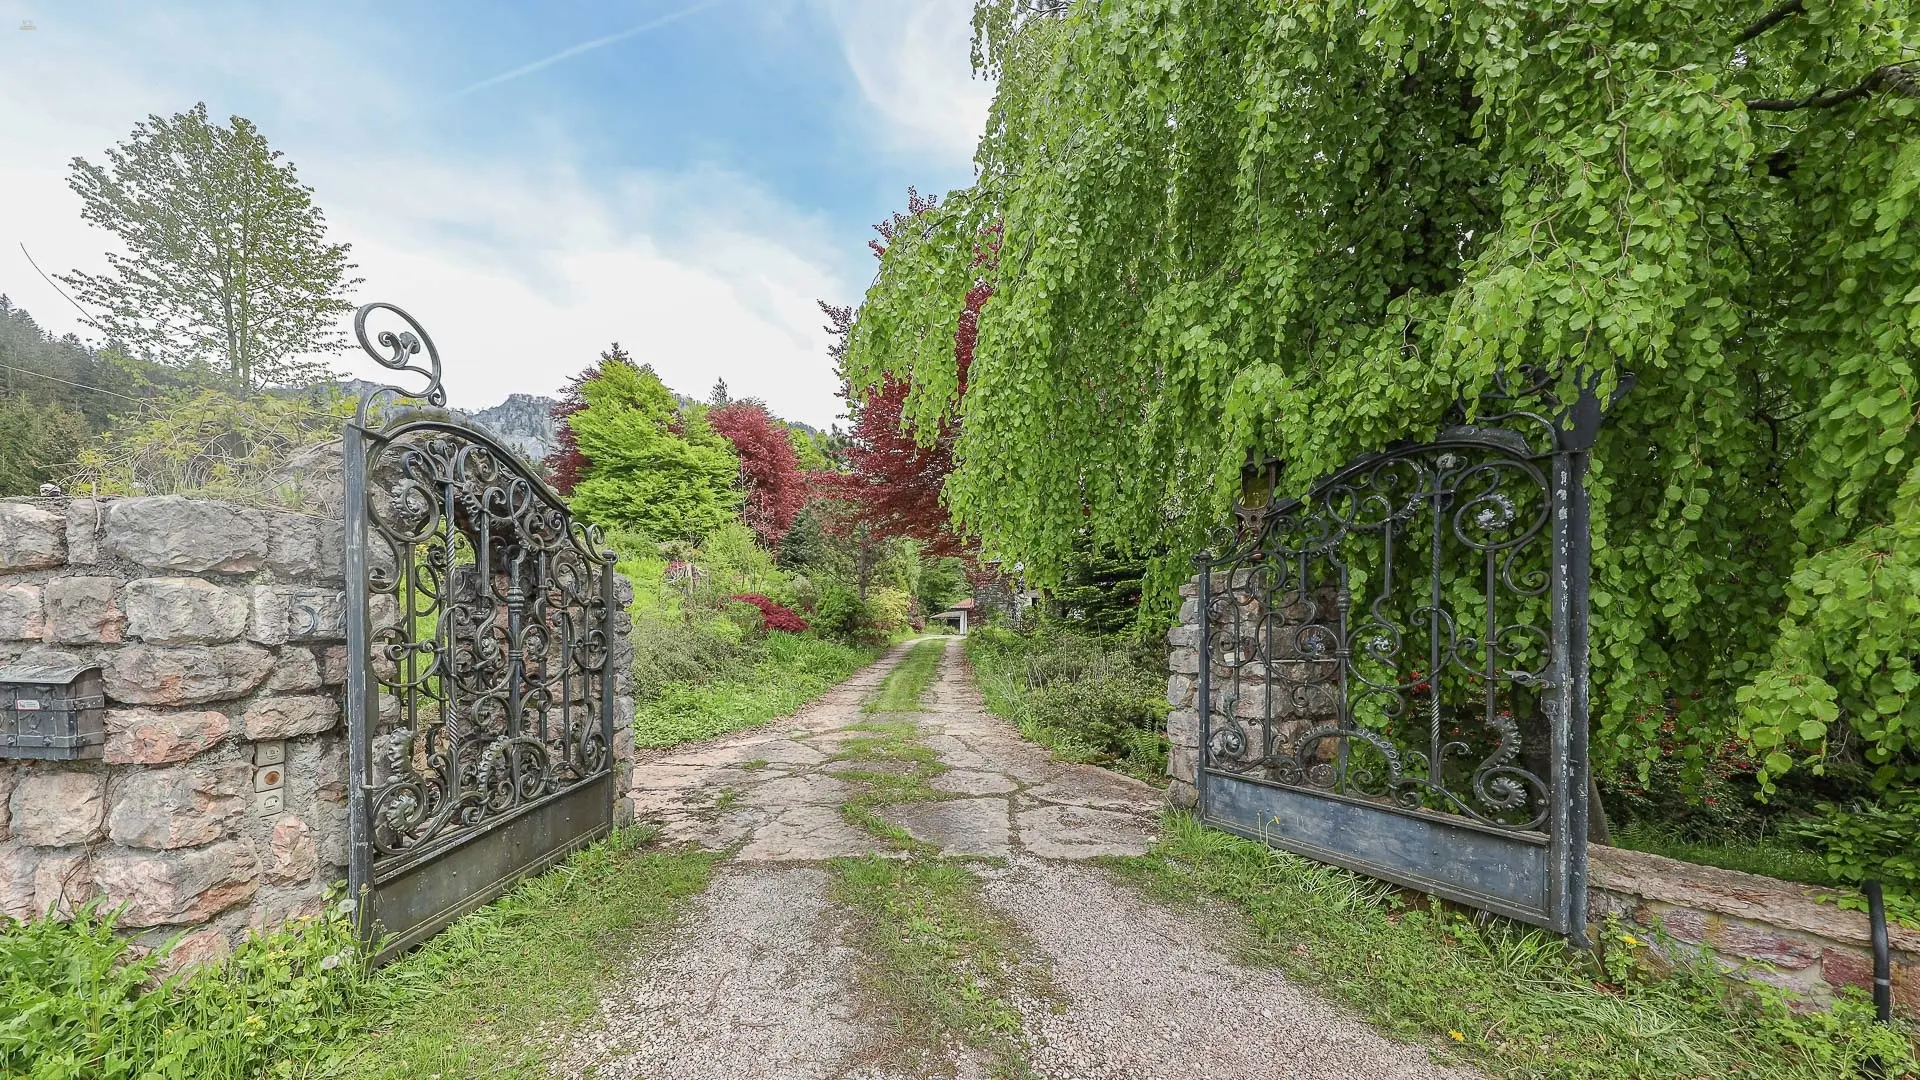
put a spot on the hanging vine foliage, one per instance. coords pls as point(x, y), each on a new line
point(1303, 228)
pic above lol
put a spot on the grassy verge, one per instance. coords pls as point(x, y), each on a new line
point(1768, 858)
point(903, 687)
point(1097, 701)
point(942, 964)
point(1516, 1002)
point(483, 998)
point(796, 669)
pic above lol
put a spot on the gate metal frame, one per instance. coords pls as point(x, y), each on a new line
point(1317, 768)
point(471, 763)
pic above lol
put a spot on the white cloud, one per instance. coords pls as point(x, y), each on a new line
point(522, 274)
point(911, 58)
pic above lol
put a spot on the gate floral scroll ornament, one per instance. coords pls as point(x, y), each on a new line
point(1377, 638)
point(489, 639)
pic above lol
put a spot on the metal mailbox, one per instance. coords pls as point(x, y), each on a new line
point(52, 711)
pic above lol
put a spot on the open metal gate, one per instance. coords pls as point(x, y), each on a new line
point(479, 681)
point(1395, 667)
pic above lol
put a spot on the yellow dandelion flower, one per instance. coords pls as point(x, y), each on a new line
point(1629, 939)
point(1456, 1036)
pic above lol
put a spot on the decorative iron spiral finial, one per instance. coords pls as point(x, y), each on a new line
point(398, 348)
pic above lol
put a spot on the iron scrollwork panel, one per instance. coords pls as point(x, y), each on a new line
point(484, 638)
point(1390, 637)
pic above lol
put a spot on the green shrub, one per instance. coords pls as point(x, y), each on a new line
point(1093, 699)
point(842, 615)
point(215, 443)
point(888, 608)
point(78, 1002)
point(1870, 842)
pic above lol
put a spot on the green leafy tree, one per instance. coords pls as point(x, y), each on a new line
point(1234, 225)
point(650, 465)
point(226, 262)
point(40, 440)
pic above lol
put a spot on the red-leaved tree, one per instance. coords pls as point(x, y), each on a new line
point(769, 469)
point(891, 483)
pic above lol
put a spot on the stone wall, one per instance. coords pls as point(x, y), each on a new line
point(1759, 928)
point(219, 630)
point(220, 633)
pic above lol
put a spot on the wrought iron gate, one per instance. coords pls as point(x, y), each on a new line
point(1394, 668)
point(479, 682)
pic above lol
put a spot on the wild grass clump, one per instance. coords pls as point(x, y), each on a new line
point(78, 1001)
point(1094, 699)
point(942, 964)
point(491, 993)
point(1516, 1001)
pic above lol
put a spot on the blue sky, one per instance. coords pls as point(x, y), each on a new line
point(532, 180)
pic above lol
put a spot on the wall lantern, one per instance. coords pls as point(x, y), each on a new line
point(1259, 479)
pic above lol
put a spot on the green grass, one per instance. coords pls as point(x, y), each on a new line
point(942, 965)
point(489, 995)
point(796, 669)
point(1514, 1001)
point(1768, 858)
point(79, 1002)
point(908, 681)
point(890, 766)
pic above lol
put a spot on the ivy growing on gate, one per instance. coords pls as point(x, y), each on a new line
point(1304, 227)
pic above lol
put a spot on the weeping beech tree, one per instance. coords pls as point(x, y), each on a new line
point(1305, 228)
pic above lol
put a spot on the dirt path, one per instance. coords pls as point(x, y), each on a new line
point(760, 982)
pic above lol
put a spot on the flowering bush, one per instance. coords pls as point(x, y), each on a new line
point(773, 616)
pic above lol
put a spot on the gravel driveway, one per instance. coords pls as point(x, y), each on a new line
point(759, 981)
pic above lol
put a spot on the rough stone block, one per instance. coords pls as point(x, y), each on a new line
point(1847, 967)
point(291, 855)
point(81, 611)
point(333, 665)
point(622, 590)
point(1180, 763)
point(294, 669)
point(1184, 661)
point(283, 613)
point(1769, 946)
point(7, 774)
point(1183, 727)
point(1184, 637)
point(179, 807)
point(31, 537)
point(184, 611)
point(285, 717)
point(146, 737)
point(172, 532)
point(17, 863)
point(195, 950)
point(184, 675)
point(55, 808)
point(1189, 611)
point(1182, 795)
point(177, 887)
point(21, 615)
point(1179, 690)
point(333, 552)
point(293, 545)
point(86, 523)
